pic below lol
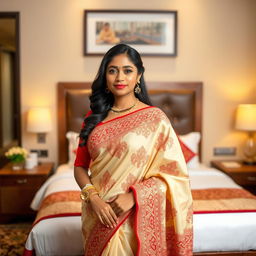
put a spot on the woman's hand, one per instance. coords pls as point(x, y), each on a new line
point(104, 211)
point(122, 203)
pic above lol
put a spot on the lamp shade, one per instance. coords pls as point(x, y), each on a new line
point(39, 120)
point(246, 117)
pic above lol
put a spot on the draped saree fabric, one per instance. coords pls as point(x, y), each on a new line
point(139, 152)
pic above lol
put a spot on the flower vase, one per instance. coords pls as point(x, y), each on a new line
point(17, 166)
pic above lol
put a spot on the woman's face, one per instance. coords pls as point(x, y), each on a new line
point(121, 75)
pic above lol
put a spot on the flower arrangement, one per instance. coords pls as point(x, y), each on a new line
point(16, 154)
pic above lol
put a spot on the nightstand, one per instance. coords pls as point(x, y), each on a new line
point(17, 189)
point(244, 175)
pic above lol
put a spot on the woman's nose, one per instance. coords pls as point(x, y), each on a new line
point(120, 76)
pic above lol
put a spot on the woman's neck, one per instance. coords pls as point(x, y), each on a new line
point(124, 102)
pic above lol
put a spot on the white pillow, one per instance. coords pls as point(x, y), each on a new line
point(191, 140)
point(73, 140)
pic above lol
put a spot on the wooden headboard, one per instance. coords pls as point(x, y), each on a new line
point(181, 101)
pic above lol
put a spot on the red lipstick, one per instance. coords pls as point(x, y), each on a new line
point(120, 86)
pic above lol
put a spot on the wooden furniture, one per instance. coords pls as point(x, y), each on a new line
point(243, 175)
point(17, 189)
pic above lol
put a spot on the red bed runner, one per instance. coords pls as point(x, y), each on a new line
point(214, 200)
point(223, 200)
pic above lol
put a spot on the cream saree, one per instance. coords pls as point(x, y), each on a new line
point(140, 152)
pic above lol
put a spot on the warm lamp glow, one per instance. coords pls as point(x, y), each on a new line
point(39, 120)
point(246, 120)
point(246, 117)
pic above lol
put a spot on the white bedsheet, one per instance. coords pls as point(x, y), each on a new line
point(212, 232)
point(215, 232)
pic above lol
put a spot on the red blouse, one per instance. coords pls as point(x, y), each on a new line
point(83, 157)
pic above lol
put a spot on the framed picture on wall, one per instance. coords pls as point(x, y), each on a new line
point(151, 33)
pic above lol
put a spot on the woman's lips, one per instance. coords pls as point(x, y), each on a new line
point(120, 86)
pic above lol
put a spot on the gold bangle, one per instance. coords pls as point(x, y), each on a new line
point(86, 197)
point(87, 192)
point(88, 188)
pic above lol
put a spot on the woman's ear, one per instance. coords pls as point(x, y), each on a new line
point(138, 79)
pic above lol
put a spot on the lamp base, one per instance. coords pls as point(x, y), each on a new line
point(248, 163)
point(250, 150)
point(41, 137)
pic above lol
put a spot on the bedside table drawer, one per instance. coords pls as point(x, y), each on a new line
point(22, 181)
point(18, 188)
point(244, 179)
point(17, 199)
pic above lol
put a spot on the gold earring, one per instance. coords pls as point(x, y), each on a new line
point(137, 89)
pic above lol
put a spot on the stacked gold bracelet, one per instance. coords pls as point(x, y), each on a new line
point(87, 191)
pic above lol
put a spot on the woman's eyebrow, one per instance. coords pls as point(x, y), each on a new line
point(128, 66)
point(116, 67)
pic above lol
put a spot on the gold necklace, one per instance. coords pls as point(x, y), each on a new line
point(125, 109)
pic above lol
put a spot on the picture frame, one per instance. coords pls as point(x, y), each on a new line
point(151, 33)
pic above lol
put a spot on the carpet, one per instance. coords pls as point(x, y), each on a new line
point(13, 238)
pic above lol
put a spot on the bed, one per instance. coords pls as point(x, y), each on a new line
point(221, 207)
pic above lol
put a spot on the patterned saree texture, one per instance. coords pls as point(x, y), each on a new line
point(140, 152)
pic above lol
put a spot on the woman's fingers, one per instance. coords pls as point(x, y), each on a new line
point(104, 211)
point(109, 217)
point(108, 212)
point(103, 220)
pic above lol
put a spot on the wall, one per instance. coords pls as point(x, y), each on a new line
point(216, 45)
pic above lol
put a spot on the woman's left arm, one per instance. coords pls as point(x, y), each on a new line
point(122, 203)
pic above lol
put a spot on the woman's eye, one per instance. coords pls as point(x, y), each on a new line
point(112, 71)
point(127, 71)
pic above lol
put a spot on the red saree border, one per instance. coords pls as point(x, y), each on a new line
point(121, 223)
point(136, 220)
point(100, 237)
point(119, 117)
point(151, 235)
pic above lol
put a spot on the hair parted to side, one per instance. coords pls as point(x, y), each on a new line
point(101, 100)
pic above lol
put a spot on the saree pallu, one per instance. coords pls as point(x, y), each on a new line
point(140, 152)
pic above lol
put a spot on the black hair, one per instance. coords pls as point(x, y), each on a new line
point(102, 100)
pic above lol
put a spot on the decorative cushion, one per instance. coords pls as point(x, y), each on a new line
point(190, 147)
point(73, 140)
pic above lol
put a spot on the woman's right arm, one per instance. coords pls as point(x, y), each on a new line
point(102, 209)
point(81, 176)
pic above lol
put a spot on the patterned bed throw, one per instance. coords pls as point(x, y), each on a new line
point(221, 200)
point(214, 200)
point(58, 204)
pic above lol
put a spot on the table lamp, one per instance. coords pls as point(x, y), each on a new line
point(39, 121)
point(246, 121)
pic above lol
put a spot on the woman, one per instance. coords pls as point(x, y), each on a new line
point(137, 200)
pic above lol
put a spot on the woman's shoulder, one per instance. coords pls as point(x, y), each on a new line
point(156, 113)
point(156, 110)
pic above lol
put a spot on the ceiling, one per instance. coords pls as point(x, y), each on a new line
point(7, 33)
